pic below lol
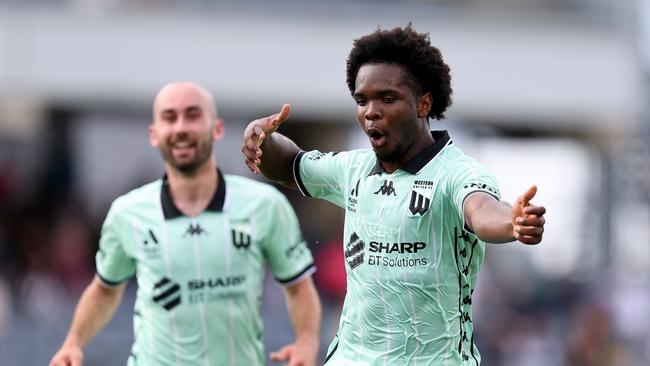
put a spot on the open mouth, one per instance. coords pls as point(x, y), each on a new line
point(377, 138)
point(182, 146)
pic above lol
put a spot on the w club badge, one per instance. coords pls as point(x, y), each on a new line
point(240, 240)
point(420, 197)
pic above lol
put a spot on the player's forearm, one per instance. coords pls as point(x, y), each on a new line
point(305, 312)
point(96, 307)
point(278, 153)
point(492, 222)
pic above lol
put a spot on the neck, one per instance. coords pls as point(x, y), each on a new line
point(193, 192)
point(421, 143)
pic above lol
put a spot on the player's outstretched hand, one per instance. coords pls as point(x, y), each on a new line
point(68, 356)
point(255, 134)
point(296, 355)
point(528, 219)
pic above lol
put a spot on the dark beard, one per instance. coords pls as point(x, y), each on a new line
point(190, 167)
point(393, 156)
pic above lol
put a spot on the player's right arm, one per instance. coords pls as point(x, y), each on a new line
point(269, 152)
point(96, 307)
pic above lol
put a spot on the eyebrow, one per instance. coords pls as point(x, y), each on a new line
point(380, 93)
point(193, 108)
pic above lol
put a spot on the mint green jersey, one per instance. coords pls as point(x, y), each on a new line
point(411, 262)
point(200, 279)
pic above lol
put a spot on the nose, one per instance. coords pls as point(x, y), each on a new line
point(372, 112)
point(181, 123)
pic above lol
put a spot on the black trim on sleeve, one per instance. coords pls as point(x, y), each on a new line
point(288, 280)
point(296, 174)
point(331, 353)
point(112, 283)
point(462, 206)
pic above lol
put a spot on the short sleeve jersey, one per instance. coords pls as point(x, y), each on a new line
point(411, 262)
point(200, 279)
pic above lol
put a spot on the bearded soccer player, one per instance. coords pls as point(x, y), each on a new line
point(417, 209)
point(197, 241)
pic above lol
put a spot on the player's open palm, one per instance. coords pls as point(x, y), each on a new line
point(527, 218)
point(256, 132)
point(68, 356)
point(295, 355)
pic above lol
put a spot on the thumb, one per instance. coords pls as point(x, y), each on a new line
point(277, 119)
point(280, 355)
point(530, 193)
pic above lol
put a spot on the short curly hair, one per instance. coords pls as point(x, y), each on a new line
point(413, 51)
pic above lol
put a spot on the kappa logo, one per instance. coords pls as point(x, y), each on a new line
point(167, 293)
point(194, 230)
point(240, 240)
point(386, 189)
point(354, 251)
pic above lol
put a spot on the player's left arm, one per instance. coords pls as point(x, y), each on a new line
point(498, 222)
point(304, 309)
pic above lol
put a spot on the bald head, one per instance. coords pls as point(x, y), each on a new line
point(181, 95)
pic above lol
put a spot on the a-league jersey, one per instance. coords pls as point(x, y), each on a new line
point(200, 279)
point(411, 262)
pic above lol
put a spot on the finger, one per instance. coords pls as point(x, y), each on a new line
point(535, 210)
point(253, 168)
point(251, 153)
point(280, 355)
point(530, 193)
point(531, 221)
point(281, 117)
point(529, 230)
point(529, 240)
point(258, 135)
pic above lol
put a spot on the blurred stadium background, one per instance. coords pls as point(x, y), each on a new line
point(552, 92)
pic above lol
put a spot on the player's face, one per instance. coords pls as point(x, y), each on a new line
point(387, 111)
point(183, 127)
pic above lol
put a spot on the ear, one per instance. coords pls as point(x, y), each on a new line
point(153, 139)
point(424, 105)
point(218, 130)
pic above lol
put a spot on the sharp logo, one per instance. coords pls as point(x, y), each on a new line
point(354, 251)
point(419, 204)
point(386, 189)
point(167, 293)
point(240, 240)
point(406, 247)
point(194, 230)
point(216, 282)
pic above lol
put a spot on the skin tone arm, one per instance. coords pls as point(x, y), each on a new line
point(497, 222)
point(96, 307)
point(305, 312)
point(268, 152)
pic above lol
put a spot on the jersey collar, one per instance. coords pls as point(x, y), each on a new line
point(413, 166)
point(171, 211)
